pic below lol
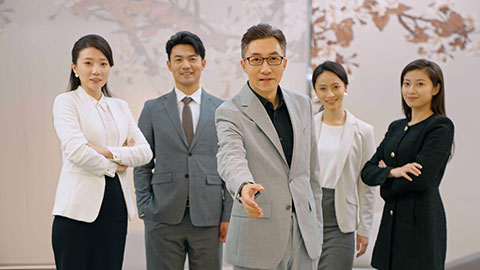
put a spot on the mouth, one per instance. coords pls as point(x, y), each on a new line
point(186, 74)
point(411, 98)
point(95, 80)
point(266, 79)
point(331, 102)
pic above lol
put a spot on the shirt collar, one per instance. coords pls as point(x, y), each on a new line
point(196, 96)
point(265, 102)
point(102, 103)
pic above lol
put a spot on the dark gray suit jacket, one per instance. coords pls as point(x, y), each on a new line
point(177, 170)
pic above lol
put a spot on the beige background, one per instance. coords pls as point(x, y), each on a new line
point(36, 38)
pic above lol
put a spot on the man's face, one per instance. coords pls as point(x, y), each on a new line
point(265, 78)
point(186, 67)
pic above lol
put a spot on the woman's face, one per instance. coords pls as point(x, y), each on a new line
point(418, 90)
point(330, 90)
point(92, 68)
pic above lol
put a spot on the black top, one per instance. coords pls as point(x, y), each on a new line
point(412, 232)
point(281, 121)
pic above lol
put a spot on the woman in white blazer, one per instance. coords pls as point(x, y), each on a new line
point(345, 144)
point(99, 140)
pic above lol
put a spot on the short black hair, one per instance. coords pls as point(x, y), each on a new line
point(185, 37)
point(261, 31)
point(333, 67)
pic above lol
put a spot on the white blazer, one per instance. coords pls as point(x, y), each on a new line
point(82, 180)
point(354, 201)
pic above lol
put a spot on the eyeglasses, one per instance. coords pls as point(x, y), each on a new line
point(271, 60)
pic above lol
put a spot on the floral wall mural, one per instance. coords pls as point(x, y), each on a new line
point(436, 29)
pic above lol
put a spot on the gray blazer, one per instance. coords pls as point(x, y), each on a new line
point(177, 170)
point(250, 151)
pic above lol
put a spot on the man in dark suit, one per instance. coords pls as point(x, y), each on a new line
point(183, 201)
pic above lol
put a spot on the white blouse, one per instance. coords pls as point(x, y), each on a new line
point(328, 148)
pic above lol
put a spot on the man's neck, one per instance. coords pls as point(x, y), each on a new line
point(270, 96)
point(187, 90)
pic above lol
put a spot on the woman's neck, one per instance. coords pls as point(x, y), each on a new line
point(335, 117)
point(418, 115)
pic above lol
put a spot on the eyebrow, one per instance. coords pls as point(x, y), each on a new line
point(90, 58)
point(415, 80)
point(181, 56)
point(259, 54)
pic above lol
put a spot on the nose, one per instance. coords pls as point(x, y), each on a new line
point(185, 64)
point(265, 67)
point(96, 69)
point(330, 92)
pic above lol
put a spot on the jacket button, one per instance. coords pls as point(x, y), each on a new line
point(391, 212)
point(289, 207)
point(392, 154)
point(189, 154)
point(186, 175)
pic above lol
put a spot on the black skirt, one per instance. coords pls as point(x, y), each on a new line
point(79, 245)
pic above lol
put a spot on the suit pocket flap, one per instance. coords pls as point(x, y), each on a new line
point(214, 180)
point(239, 211)
point(161, 178)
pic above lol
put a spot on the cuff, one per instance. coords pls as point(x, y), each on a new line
point(112, 169)
point(238, 195)
point(117, 158)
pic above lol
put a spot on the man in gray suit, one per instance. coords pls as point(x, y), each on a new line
point(268, 158)
point(180, 195)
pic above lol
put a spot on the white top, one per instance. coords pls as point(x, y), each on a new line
point(328, 148)
point(109, 125)
point(194, 105)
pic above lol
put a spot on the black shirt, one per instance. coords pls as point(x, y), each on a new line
point(281, 121)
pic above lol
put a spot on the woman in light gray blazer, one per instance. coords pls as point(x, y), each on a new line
point(345, 144)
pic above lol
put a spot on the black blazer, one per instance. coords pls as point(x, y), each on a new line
point(412, 232)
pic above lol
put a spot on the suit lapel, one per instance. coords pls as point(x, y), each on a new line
point(346, 142)
point(206, 109)
point(116, 115)
point(170, 103)
point(292, 112)
point(254, 109)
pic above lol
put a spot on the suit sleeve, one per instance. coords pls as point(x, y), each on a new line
point(142, 175)
point(432, 156)
point(315, 170)
point(138, 154)
point(73, 141)
point(231, 156)
point(366, 194)
point(227, 204)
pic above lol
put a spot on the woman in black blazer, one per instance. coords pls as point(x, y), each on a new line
point(408, 166)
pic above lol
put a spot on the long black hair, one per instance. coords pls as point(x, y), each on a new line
point(90, 41)
point(435, 74)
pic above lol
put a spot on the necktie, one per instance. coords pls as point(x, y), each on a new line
point(187, 121)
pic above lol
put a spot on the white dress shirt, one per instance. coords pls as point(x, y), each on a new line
point(194, 105)
point(110, 127)
point(328, 148)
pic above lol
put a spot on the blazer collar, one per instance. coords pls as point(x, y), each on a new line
point(255, 110)
point(346, 140)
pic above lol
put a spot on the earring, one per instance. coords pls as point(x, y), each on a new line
point(346, 94)
point(76, 75)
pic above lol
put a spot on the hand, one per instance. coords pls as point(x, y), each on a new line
point(413, 168)
point(101, 150)
point(121, 168)
point(362, 243)
point(223, 231)
point(382, 164)
point(130, 143)
point(248, 200)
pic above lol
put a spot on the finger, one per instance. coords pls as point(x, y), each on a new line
point(405, 175)
point(362, 250)
point(417, 165)
point(131, 142)
point(358, 243)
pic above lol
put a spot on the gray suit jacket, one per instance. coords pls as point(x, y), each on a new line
point(250, 151)
point(178, 170)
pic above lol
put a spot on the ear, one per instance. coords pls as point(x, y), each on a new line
point(204, 63)
point(74, 68)
point(243, 65)
point(169, 65)
point(284, 63)
point(346, 90)
point(436, 89)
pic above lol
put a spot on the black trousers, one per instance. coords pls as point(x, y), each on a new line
point(79, 245)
